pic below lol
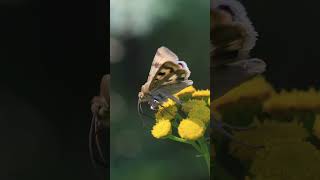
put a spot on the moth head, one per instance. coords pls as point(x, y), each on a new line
point(143, 95)
point(140, 96)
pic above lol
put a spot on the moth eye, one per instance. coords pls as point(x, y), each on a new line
point(161, 73)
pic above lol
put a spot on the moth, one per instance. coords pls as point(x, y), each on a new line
point(168, 75)
point(227, 41)
point(232, 37)
point(100, 109)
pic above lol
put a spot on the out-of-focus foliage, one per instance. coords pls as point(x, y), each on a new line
point(267, 133)
point(316, 126)
point(290, 160)
point(139, 17)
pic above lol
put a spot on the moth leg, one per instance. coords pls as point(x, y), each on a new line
point(220, 129)
point(231, 137)
point(170, 96)
point(236, 128)
point(181, 113)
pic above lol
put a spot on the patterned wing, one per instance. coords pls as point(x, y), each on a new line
point(169, 73)
point(163, 55)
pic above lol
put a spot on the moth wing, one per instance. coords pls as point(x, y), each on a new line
point(169, 73)
point(162, 55)
point(173, 88)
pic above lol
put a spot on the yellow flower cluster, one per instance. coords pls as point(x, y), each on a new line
point(269, 134)
point(296, 160)
point(294, 100)
point(161, 129)
point(201, 94)
point(191, 104)
point(256, 89)
point(185, 93)
point(201, 113)
point(168, 110)
point(195, 104)
point(191, 129)
point(316, 126)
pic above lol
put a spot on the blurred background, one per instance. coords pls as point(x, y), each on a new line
point(52, 59)
point(288, 41)
point(138, 28)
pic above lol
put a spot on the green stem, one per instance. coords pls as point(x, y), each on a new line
point(193, 143)
point(205, 152)
point(202, 147)
point(175, 138)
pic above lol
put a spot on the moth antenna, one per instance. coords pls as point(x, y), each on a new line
point(237, 128)
point(141, 113)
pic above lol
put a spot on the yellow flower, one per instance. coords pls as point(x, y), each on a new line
point(294, 100)
point(209, 101)
point(201, 93)
point(316, 126)
point(256, 89)
point(200, 112)
point(189, 105)
point(167, 113)
point(185, 93)
point(167, 104)
point(191, 129)
point(167, 110)
point(161, 129)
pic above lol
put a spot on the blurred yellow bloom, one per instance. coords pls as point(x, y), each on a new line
point(200, 112)
point(201, 93)
point(293, 100)
point(256, 89)
point(316, 126)
point(191, 129)
point(189, 105)
point(161, 129)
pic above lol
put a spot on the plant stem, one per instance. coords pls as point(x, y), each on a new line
point(193, 143)
point(202, 147)
point(205, 152)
